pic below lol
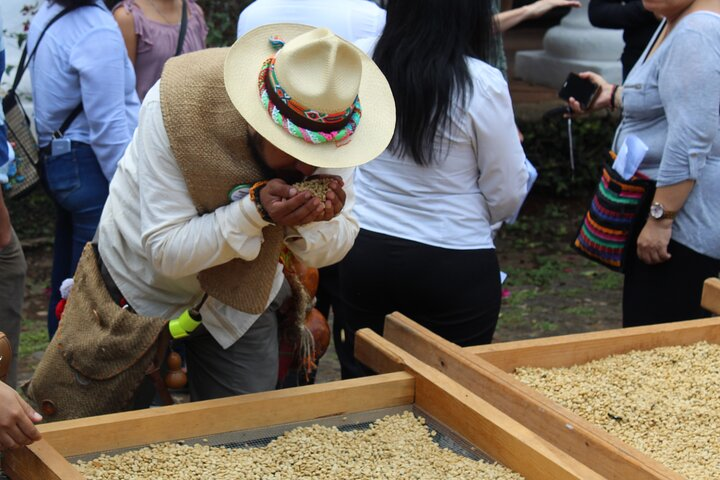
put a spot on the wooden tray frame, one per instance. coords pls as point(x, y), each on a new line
point(711, 296)
point(497, 435)
point(484, 371)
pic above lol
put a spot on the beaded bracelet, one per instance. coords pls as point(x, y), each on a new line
point(255, 197)
point(612, 97)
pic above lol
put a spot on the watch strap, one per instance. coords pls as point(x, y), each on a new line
point(666, 214)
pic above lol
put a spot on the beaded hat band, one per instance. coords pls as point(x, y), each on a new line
point(307, 97)
point(309, 124)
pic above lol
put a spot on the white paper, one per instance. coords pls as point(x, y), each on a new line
point(630, 157)
point(532, 176)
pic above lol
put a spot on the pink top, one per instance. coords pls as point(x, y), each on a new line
point(157, 42)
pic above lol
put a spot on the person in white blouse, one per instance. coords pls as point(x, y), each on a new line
point(349, 19)
point(427, 203)
point(202, 202)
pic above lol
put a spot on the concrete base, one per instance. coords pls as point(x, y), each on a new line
point(539, 68)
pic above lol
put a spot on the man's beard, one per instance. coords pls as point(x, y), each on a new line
point(289, 175)
point(253, 139)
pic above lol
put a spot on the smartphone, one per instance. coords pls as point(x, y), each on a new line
point(581, 89)
point(60, 146)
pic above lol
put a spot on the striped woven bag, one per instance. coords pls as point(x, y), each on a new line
point(617, 213)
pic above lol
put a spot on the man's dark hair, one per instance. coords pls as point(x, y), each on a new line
point(422, 52)
point(255, 142)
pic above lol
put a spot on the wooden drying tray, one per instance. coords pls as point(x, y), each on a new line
point(484, 370)
point(465, 414)
point(711, 296)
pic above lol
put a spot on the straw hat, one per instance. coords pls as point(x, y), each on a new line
point(311, 94)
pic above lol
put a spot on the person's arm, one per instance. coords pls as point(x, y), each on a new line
point(16, 420)
point(324, 243)
point(5, 225)
point(690, 93)
point(653, 241)
point(619, 14)
point(100, 60)
point(509, 18)
point(126, 22)
point(177, 240)
point(204, 25)
point(501, 159)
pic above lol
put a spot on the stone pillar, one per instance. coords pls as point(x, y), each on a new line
point(572, 46)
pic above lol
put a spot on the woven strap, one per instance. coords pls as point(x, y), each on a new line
point(183, 29)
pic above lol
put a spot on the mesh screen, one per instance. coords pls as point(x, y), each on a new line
point(260, 437)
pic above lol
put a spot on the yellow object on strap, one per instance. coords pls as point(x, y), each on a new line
point(185, 324)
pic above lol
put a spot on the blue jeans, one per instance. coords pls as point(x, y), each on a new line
point(79, 189)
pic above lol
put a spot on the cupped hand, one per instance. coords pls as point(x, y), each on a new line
point(16, 420)
point(652, 244)
point(288, 207)
point(602, 99)
point(334, 198)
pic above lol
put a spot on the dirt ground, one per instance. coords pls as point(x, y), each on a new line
point(549, 290)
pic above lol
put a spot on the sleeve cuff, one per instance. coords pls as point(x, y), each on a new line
point(676, 172)
point(239, 222)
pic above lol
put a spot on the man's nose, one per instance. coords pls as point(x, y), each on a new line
point(304, 168)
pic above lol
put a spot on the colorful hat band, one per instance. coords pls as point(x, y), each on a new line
point(273, 84)
point(297, 113)
point(307, 124)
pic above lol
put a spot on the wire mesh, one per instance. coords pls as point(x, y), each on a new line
point(261, 437)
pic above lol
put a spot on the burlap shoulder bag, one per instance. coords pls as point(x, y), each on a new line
point(99, 355)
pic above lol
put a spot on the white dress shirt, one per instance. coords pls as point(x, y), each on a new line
point(478, 177)
point(348, 19)
point(154, 243)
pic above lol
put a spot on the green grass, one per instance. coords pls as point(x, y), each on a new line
point(608, 280)
point(546, 326)
point(35, 340)
point(579, 311)
point(520, 297)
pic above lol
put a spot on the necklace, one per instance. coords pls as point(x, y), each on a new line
point(152, 2)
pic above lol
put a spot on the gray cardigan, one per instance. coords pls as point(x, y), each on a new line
point(671, 101)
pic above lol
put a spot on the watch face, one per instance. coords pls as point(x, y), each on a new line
point(656, 210)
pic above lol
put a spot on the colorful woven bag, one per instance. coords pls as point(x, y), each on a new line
point(617, 213)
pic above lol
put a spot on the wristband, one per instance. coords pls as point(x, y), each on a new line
point(612, 97)
point(255, 197)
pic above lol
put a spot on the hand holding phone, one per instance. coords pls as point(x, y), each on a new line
point(581, 89)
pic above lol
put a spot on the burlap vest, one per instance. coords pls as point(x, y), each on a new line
point(208, 138)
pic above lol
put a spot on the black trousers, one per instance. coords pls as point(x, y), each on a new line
point(454, 293)
point(667, 292)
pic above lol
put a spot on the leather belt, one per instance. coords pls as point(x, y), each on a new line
point(46, 151)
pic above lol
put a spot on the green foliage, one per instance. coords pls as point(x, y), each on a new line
point(33, 340)
point(221, 17)
point(546, 145)
point(33, 216)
